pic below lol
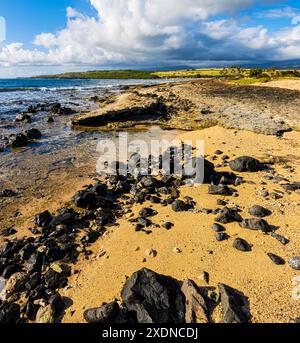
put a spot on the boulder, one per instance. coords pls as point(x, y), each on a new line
point(234, 305)
point(9, 313)
point(154, 298)
point(195, 304)
point(14, 284)
point(45, 315)
point(43, 219)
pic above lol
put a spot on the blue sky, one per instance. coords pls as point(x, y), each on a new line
point(59, 35)
point(26, 19)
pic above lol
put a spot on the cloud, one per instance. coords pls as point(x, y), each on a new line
point(285, 12)
point(156, 32)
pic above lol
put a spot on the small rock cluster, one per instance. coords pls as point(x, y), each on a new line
point(148, 297)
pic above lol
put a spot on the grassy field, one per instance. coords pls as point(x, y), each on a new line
point(236, 74)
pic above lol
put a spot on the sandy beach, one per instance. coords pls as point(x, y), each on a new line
point(255, 121)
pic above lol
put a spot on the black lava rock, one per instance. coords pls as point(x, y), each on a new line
point(23, 117)
point(33, 134)
point(55, 280)
point(154, 298)
point(218, 228)
point(147, 212)
point(9, 313)
point(276, 259)
point(18, 140)
point(256, 224)
point(220, 190)
point(234, 305)
point(229, 215)
point(259, 211)
point(241, 245)
point(180, 206)
point(63, 219)
point(280, 238)
point(102, 315)
point(246, 164)
point(168, 225)
point(221, 236)
point(43, 219)
point(291, 187)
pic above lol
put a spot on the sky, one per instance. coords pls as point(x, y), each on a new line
point(52, 36)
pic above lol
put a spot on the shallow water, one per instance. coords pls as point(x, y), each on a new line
point(61, 148)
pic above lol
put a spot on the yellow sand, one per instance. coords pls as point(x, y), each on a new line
point(269, 287)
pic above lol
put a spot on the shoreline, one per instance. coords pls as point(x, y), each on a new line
point(252, 273)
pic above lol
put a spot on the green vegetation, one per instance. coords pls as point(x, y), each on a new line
point(105, 74)
point(234, 74)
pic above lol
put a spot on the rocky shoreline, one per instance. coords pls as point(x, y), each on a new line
point(39, 271)
point(197, 105)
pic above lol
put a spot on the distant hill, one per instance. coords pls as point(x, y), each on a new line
point(103, 74)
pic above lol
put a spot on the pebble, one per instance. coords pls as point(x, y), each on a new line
point(280, 238)
point(218, 228)
point(168, 225)
point(241, 245)
point(294, 263)
point(221, 236)
point(151, 253)
point(276, 259)
point(177, 251)
point(259, 211)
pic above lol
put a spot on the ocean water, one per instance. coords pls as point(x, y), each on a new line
point(61, 146)
point(17, 94)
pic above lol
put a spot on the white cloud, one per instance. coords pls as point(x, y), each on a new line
point(156, 32)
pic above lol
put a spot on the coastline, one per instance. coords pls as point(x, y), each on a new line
point(252, 273)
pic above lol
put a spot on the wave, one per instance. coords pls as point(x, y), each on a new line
point(56, 89)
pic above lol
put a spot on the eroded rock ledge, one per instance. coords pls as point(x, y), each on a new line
point(198, 104)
